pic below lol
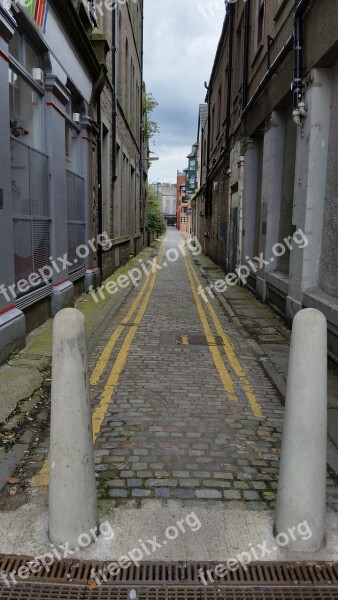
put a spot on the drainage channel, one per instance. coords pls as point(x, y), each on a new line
point(90, 580)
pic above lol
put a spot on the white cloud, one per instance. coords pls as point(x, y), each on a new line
point(180, 45)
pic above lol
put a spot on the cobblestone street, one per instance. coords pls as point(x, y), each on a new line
point(183, 408)
point(172, 430)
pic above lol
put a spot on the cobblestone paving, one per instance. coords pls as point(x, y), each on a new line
point(170, 430)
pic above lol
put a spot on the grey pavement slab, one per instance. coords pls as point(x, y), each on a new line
point(216, 533)
point(267, 331)
point(16, 383)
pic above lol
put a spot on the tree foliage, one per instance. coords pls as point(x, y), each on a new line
point(151, 128)
point(156, 221)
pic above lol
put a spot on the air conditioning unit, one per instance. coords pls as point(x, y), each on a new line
point(38, 75)
point(76, 117)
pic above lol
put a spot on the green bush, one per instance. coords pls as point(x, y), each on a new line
point(156, 222)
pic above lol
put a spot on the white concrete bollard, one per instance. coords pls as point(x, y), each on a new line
point(301, 492)
point(72, 486)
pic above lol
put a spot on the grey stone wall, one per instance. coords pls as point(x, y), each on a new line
point(289, 161)
point(329, 258)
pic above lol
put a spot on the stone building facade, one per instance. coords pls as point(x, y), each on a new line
point(269, 172)
point(73, 158)
point(167, 197)
point(123, 144)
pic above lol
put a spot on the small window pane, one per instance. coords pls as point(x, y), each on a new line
point(72, 148)
point(25, 111)
point(32, 59)
point(14, 46)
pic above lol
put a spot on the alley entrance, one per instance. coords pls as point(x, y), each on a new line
point(182, 406)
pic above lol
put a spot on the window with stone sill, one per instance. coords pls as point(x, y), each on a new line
point(260, 22)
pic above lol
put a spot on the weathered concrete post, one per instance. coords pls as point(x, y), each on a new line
point(72, 487)
point(301, 492)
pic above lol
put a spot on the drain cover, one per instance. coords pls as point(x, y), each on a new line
point(198, 340)
point(40, 591)
point(212, 594)
point(47, 591)
point(73, 580)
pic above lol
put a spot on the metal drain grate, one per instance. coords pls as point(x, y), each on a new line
point(39, 591)
point(65, 571)
point(220, 594)
point(171, 574)
point(69, 579)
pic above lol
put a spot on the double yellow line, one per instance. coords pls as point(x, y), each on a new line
point(227, 345)
point(119, 363)
point(41, 479)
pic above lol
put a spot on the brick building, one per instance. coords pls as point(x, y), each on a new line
point(267, 159)
point(183, 222)
point(180, 196)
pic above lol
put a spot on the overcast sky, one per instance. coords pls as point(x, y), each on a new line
point(179, 49)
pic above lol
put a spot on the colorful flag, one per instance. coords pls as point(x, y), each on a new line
point(38, 10)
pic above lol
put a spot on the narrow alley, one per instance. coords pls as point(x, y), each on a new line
point(183, 408)
point(168, 299)
point(187, 420)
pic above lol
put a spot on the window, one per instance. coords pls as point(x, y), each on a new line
point(239, 56)
point(184, 219)
point(125, 91)
point(92, 12)
point(260, 21)
point(106, 173)
point(29, 174)
point(24, 53)
point(29, 165)
point(32, 59)
point(219, 109)
point(76, 224)
point(15, 46)
point(72, 147)
point(25, 111)
point(75, 218)
point(213, 124)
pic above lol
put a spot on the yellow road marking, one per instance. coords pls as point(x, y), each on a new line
point(107, 352)
point(41, 479)
point(216, 355)
point(229, 350)
point(101, 410)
